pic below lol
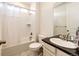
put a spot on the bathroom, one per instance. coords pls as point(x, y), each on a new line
point(32, 28)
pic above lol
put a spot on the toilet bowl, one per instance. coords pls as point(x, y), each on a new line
point(36, 46)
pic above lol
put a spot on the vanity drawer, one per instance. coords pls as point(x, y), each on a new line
point(49, 47)
point(46, 52)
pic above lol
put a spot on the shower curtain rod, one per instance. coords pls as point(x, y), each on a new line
point(18, 6)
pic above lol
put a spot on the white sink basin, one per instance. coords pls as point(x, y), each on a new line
point(63, 43)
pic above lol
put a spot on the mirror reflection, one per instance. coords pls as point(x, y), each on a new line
point(66, 18)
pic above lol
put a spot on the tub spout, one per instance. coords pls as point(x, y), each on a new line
point(2, 42)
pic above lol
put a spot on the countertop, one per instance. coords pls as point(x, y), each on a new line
point(72, 52)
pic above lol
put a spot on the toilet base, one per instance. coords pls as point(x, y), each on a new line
point(36, 52)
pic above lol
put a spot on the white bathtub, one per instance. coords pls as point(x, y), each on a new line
point(16, 49)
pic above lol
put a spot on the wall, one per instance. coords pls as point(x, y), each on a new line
point(33, 20)
point(60, 19)
point(46, 18)
point(0, 27)
point(72, 16)
point(14, 24)
point(67, 15)
point(20, 4)
point(37, 20)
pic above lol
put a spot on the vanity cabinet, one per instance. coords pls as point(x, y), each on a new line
point(49, 50)
point(61, 53)
point(46, 52)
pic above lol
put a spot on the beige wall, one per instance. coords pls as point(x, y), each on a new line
point(15, 28)
point(72, 17)
point(0, 28)
point(0, 33)
point(67, 15)
point(42, 21)
point(20, 4)
point(60, 19)
point(46, 18)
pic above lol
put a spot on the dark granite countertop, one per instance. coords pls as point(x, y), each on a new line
point(72, 52)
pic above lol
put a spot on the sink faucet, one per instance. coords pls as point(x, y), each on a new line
point(67, 36)
point(77, 36)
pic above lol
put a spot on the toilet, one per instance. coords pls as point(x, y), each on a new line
point(35, 47)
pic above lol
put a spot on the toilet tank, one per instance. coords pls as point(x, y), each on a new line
point(41, 37)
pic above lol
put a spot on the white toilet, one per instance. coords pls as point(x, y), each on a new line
point(36, 46)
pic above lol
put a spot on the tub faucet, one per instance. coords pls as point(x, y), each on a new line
point(30, 36)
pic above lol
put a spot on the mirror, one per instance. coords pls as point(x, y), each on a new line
point(66, 17)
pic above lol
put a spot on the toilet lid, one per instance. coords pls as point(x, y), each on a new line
point(35, 45)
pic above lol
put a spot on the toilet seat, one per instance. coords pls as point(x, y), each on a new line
point(35, 45)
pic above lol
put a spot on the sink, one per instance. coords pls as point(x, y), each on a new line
point(63, 43)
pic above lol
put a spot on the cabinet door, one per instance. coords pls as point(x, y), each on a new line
point(61, 53)
point(49, 47)
point(46, 52)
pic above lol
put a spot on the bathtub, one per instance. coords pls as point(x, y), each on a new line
point(16, 50)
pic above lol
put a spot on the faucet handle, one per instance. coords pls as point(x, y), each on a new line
point(61, 36)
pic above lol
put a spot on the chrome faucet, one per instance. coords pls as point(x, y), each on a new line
point(77, 36)
point(30, 36)
point(66, 37)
